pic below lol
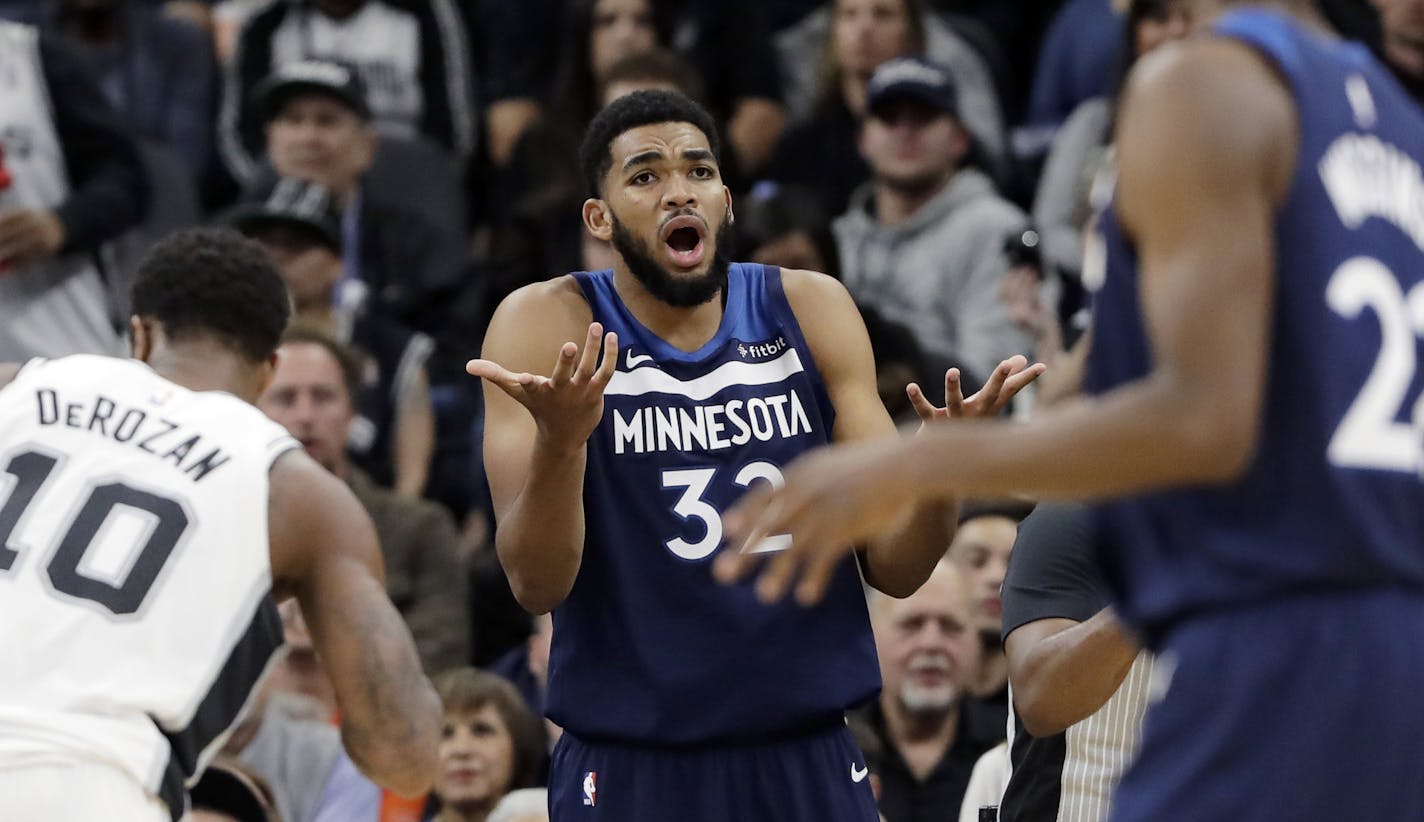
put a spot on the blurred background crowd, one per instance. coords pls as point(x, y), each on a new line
point(408, 163)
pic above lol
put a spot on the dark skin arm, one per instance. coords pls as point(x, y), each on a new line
point(1062, 671)
point(324, 551)
point(1207, 144)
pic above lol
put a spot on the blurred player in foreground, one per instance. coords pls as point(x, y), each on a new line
point(1258, 327)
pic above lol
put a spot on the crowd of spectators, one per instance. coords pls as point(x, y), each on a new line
point(407, 163)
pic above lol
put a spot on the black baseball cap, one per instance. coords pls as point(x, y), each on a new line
point(291, 203)
point(326, 77)
point(912, 78)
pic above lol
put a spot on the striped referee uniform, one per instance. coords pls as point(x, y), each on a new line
point(1070, 777)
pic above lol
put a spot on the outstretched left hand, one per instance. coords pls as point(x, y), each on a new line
point(839, 497)
point(1008, 379)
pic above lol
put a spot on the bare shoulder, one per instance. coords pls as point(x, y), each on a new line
point(1212, 109)
point(532, 322)
point(822, 305)
point(829, 321)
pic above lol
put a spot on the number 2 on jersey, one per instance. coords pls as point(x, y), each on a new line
point(169, 521)
point(1369, 435)
point(692, 505)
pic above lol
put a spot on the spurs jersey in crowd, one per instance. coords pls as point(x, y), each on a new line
point(648, 648)
point(134, 571)
point(1332, 500)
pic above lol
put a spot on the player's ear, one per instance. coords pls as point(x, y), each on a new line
point(140, 338)
point(268, 373)
point(598, 218)
point(731, 215)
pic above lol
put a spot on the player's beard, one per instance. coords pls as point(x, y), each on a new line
point(686, 291)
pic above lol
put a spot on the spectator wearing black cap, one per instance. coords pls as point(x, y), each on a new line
point(924, 241)
point(319, 129)
point(412, 54)
point(393, 434)
point(75, 181)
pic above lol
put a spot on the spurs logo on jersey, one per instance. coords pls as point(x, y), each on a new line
point(134, 567)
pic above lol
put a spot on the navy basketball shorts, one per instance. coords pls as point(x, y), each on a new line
point(1302, 710)
point(819, 777)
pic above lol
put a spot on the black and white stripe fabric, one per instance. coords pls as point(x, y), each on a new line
point(1054, 573)
point(1071, 777)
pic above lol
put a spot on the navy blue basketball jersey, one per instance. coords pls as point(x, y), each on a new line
point(648, 648)
point(1333, 497)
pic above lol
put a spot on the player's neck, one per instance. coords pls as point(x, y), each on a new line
point(201, 365)
point(686, 329)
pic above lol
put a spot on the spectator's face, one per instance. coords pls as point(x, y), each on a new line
point(318, 138)
point(309, 398)
point(665, 210)
point(1172, 22)
point(866, 33)
point(476, 759)
point(1403, 23)
point(927, 643)
point(981, 548)
point(620, 28)
point(912, 146)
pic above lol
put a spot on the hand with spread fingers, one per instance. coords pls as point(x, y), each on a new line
point(840, 497)
point(1008, 379)
point(568, 404)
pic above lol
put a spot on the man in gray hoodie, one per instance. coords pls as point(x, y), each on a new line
point(923, 242)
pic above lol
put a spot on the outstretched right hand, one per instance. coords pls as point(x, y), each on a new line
point(567, 405)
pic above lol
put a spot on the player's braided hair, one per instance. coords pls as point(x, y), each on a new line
point(214, 282)
point(641, 108)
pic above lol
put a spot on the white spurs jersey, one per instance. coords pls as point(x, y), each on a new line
point(135, 613)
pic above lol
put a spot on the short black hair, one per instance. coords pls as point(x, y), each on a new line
point(641, 108)
point(214, 282)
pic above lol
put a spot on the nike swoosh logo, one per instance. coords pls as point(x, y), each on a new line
point(858, 775)
point(635, 361)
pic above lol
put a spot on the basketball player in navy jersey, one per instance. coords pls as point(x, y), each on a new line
point(682, 699)
point(1255, 405)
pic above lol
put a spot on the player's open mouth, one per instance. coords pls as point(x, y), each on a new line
point(683, 237)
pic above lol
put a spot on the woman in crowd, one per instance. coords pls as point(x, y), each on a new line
point(492, 744)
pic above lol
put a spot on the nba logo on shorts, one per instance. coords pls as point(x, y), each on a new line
point(590, 788)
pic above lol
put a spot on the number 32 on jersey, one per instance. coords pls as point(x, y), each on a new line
point(693, 506)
